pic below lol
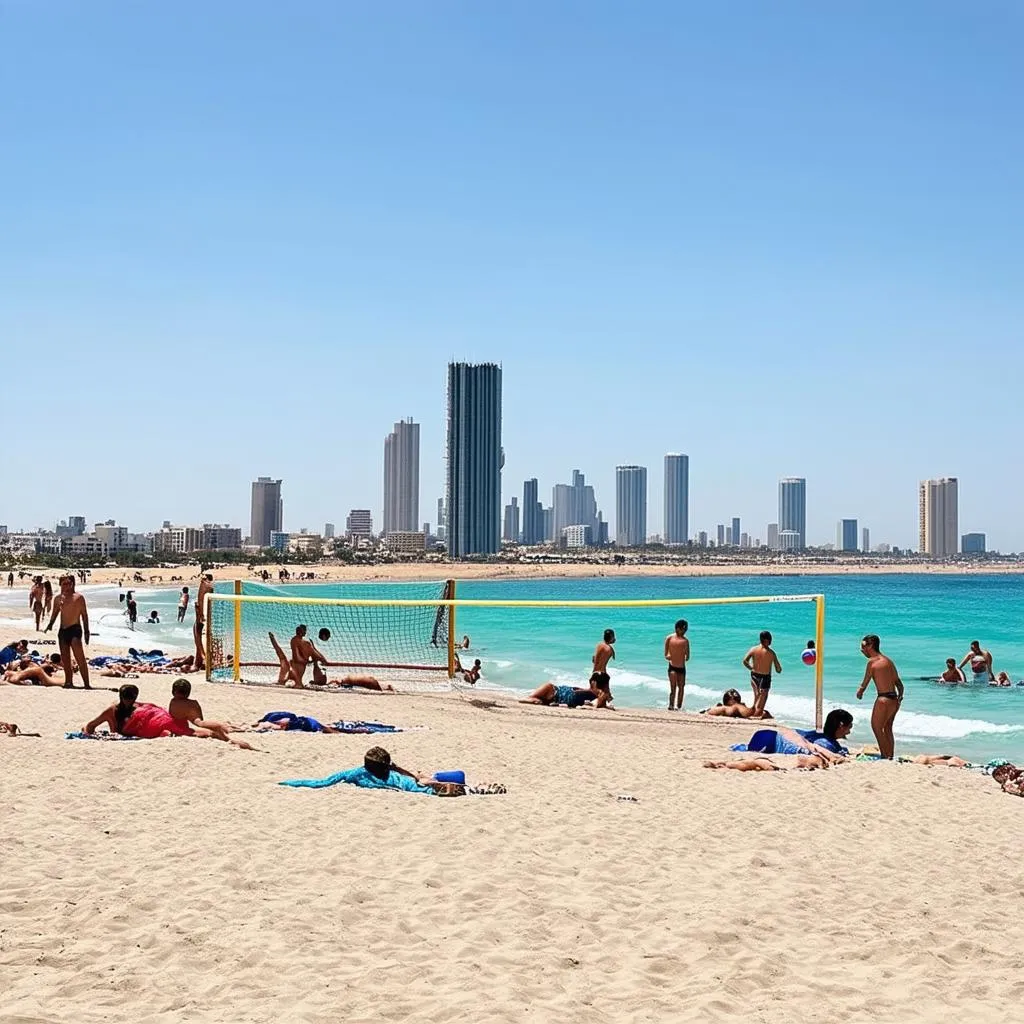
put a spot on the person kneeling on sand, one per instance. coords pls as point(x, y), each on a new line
point(732, 706)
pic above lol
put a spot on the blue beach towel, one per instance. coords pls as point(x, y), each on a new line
point(364, 727)
point(361, 777)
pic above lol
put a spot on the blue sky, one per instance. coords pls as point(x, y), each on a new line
point(243, 239)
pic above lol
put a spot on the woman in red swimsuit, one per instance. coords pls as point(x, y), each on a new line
point(143, 721)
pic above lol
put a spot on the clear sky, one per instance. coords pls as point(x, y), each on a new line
point(244, 238)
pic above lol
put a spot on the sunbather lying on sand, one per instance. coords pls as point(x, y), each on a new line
point(732, 706)
point(551, 695)
point(36, 675)
point(762, 764)
point(360, 683)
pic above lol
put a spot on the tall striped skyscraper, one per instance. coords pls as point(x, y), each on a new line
point(938, 517)
point(402, 477)
point(793, 509)
point(630, 505)
point(677, 498)
point(474, 459)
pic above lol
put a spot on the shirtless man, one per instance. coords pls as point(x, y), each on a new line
point(981, 663)
point(35, 599)
point(952, 673)
point(677, 654)
point(183, 604)
point(74, 623)
point(759, 662)
point(304, 652)
point(205, 587)
point(603, 653)
point(183, 708)
point(890, 693)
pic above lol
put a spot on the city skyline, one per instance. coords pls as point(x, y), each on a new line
point(819, 200)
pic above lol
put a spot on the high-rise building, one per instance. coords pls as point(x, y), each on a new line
point(972, 544)
point(734, 533)
point(846, 535)
point(533, 514)
point(702, 539)
point(402, 478)
point(744, 540)
point(630, 506)
point(574, 505)
point(359, 523)
point(440, 518)
point(865, 539)
point(547, 518)
point(677, 498)
point(76, 524)
point(267, 512)
point(720, 535)
point(938, 517)
point(474, 459)
point(793, 510)
point(773, 536)
point(511, 525)
point(328, 531)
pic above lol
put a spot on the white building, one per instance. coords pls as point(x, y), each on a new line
point(578, 535)
point(938, 517)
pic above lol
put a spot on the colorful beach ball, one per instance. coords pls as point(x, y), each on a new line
point(809, 657)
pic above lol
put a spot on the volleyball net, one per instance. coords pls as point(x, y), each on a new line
point(410, 634)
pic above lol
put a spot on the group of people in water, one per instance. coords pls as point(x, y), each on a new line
point(981, 669)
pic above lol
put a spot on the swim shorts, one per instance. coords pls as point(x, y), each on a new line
point(762, 680)
point(69, 633)
point(676, 670)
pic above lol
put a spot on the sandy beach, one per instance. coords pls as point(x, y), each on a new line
point(170, 880)
point(415, 571)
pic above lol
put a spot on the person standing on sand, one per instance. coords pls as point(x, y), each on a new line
point(759, 662)
point(10, 579)
point(183, 604)
point(35, 599)
point(74, 624)
point(677, 654)
point(205, 587)
point(981, 663)
point(603, 653)
point(890, 693)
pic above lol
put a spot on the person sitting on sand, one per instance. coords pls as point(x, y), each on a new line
point(952, 673)
point(36, 675)
point(13, 653)
point(351, 682)
point(190, 713)
point(732, 706)
point(471, 675)
point(143, 721)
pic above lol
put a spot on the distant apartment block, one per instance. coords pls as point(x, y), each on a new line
point(973, 544)
point(402, 478)
point(865, 539)
point(406, 541)
point(630, 506)
point(266, 512)
point(846, 535)
point(359, 523)
point(510, 526)
point(793, 510)
point(773, 536)
point(677, 498)
point(579, 535)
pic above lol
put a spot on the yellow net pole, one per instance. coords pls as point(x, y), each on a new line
point(451, 631)
point(819, 662)
point(236, 664)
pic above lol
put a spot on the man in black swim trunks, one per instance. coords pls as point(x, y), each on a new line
point(677, 654)
point(603, 653)
point(759, 662)
point(74, 624)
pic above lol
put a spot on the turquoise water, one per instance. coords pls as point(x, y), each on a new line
point(921, 619)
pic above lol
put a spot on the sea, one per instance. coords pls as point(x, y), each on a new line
point(922, 619)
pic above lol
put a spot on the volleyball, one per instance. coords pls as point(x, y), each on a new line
point(809, 657)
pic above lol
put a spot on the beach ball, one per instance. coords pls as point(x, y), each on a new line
point(809, 657)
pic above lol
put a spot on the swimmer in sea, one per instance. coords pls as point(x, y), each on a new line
point(952, 673)
point(981, 663)
point(759, 662)
point(677, 654)
point(1001, 680)
point(889, 686)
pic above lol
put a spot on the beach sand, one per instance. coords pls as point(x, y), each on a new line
point(174, 880)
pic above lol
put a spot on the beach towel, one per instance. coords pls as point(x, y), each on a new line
point(97, 736)
point(361, 777)
point(363, 727)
